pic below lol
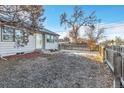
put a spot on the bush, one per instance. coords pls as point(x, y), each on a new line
point(94, 48)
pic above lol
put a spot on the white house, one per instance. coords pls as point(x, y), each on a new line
point(42, 40)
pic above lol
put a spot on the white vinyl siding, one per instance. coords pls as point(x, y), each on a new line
point(51, 45)
point(39, 41)
point(9, 48)
point(0, 34)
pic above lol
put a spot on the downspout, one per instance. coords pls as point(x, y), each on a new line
point(44, 41)
point(35, 41)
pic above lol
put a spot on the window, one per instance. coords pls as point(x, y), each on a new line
point(18, 35)
point(19, 38)
point(56, 39)
point(50, 39)
point(14, 35)
point(7, 34)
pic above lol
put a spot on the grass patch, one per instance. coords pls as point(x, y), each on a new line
point(96, 58)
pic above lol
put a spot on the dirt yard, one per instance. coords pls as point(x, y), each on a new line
point(59, 70)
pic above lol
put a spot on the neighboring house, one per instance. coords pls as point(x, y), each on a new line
point(42, 40)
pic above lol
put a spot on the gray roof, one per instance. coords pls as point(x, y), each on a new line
point(44, 30)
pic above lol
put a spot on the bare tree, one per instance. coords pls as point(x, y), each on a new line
point(35, 18)
point(77, 20)
point(94, 34)
point(29, 17)
point(9, 14)
point(66, 39)
point(119, 40)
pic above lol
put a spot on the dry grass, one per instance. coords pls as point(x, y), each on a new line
point(57, 70)
point(96, 58)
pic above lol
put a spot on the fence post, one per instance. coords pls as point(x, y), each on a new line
point(104, 53)
point(117, 61)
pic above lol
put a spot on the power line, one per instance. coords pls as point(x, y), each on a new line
point(113, 26)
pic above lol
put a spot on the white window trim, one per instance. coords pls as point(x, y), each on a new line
point(2, 40)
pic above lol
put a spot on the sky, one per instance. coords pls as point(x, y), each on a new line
point(110, 16)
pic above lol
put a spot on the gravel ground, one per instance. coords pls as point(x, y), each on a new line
point(60, 70)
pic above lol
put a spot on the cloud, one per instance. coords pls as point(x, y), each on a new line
point(112, 30)
point(63, 34)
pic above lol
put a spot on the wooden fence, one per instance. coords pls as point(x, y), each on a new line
point(114, 57)
point(73, 47)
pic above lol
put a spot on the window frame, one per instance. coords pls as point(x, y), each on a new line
point(55, 39)
point(14, 33)
point(15, 39)
point(2, 29)
point(50, 38)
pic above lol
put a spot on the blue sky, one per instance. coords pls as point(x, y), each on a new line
point(108, 14)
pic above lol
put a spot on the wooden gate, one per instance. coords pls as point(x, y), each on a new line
point(114, 57)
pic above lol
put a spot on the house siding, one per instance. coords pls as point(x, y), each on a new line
point(0, 34)
point(39, 41)
point(52, 45)
point(9, 48)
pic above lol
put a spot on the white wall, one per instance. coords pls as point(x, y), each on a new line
point(39, 41)
point(50, 45)
point(0, 33)
point(9, 48)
